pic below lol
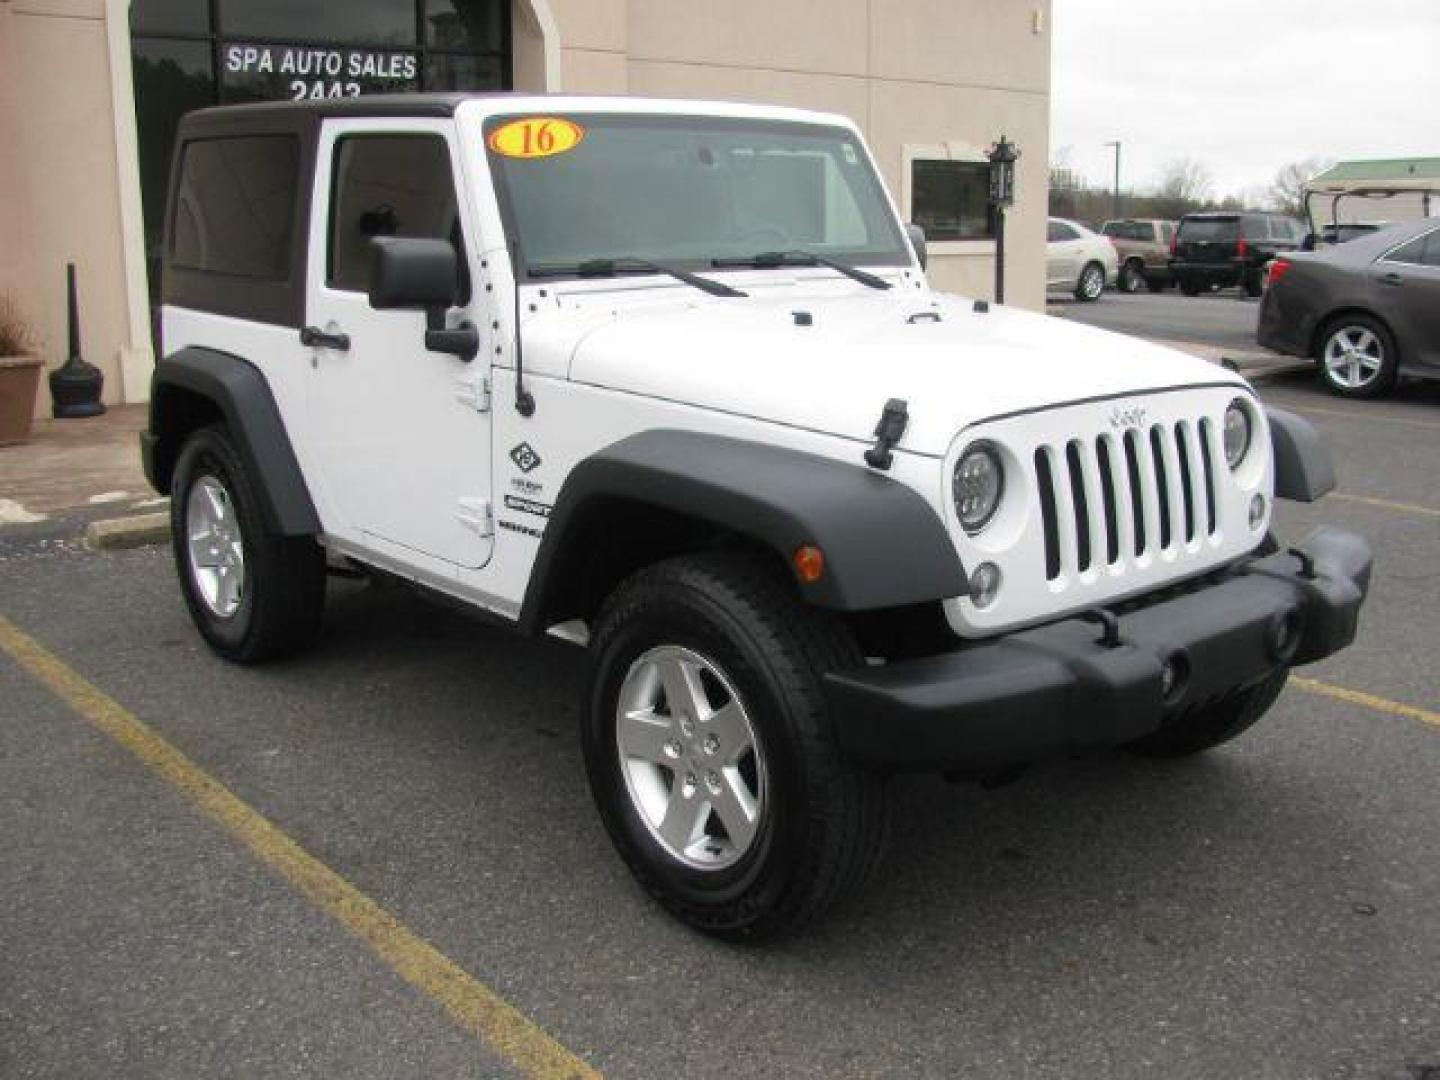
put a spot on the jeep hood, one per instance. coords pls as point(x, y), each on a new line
point(758, 357)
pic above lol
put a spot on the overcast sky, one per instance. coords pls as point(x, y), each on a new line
point(1244, 86)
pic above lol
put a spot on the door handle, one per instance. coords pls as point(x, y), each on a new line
point(314, 337)
point(1391, 278)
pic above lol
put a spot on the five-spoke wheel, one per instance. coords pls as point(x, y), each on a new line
point(692, 764)
point(1357, 357)
point(216, 546)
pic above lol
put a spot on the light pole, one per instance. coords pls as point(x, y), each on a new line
point(1002, 157)
point(1116, 145)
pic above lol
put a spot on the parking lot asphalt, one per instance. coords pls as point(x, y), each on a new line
point(1267, 910)
point(1224, 319)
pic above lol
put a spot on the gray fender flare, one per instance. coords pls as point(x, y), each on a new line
point(1304, 470)
point(239, 392)
point(884, 545)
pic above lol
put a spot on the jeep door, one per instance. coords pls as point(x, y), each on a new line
point(402, 434)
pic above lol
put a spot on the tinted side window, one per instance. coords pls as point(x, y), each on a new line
point(950, 200)
point(1421, 251)
point(1255, 228)
point(1058, 230)
point(387, 185)
point(235, 206)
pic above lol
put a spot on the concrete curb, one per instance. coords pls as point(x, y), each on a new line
point(138, 530)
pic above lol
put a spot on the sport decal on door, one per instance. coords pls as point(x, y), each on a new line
point(536, 137)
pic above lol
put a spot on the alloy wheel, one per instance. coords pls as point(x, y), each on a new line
point(1354, 357)
point(215, 546)
point(692, 765)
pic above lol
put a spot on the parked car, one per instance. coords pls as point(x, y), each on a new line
point(1230, 248)
point(1368, 310)
point(1079, 259)
point(1143, 245)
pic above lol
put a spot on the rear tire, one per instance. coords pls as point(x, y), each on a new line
point(1132, 277)
point(739, 645)
point(1194, 733)
point(1189, 286)
point(1156, 284)
point(1357, 357)
point(253, 595)
point(1253, 282)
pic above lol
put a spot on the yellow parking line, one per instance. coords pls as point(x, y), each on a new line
point(1368, 701)
point(472, 1004)
point(1386, 504)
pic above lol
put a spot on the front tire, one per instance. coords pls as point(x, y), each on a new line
point(252, 595)
point(1357, 357)
point(709, 748)
point(1191, 734)
point(1091, 283)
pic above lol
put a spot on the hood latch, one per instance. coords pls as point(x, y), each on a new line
point(894, 418)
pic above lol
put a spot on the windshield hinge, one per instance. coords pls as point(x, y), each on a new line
point(477, 516)
point(474, 391)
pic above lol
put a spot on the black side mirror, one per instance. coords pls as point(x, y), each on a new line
point(424, 274)
point(407, 273)
point(917, 241)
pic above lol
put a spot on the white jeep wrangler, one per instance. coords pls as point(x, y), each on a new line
point(666, 380)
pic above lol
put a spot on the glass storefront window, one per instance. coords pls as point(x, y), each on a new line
point(273, 50)
point(169, 17)
point(464, 24)
point(457, 71)
point(372, 22)
point(171, 78)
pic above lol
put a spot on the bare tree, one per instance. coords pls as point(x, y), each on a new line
point(1287, 190)
point(1185, 179)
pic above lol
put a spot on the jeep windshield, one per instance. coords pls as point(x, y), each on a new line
point(689, 193)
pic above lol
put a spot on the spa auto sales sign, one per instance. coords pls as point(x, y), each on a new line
point(310, 72)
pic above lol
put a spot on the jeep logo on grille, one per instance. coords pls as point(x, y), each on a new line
point(1127, 418)
point(525, 457)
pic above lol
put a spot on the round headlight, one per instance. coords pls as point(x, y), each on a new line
point(1237, 433)
point(979, 483)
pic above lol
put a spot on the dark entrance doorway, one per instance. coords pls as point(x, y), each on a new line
point(188, 54)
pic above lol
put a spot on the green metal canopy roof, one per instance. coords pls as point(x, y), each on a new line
point(1402, 174)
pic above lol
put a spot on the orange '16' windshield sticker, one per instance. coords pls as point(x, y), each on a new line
point(536, 137)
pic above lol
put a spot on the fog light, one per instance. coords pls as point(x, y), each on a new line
point(1257, 512)
point(984, 584)
point(1174, 675)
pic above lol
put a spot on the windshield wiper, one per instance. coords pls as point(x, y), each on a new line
point(769, 260)
point(629, 264)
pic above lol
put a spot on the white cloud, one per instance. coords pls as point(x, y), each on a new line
point(1244, 87)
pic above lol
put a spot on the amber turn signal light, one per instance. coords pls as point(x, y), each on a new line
point(809, 563)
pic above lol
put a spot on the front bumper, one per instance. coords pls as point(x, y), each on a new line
point(1061, 689)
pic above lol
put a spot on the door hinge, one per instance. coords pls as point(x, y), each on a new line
point(474, 392)
point(476, 515)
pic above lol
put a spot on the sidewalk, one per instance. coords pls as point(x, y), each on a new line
point(77, 465)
